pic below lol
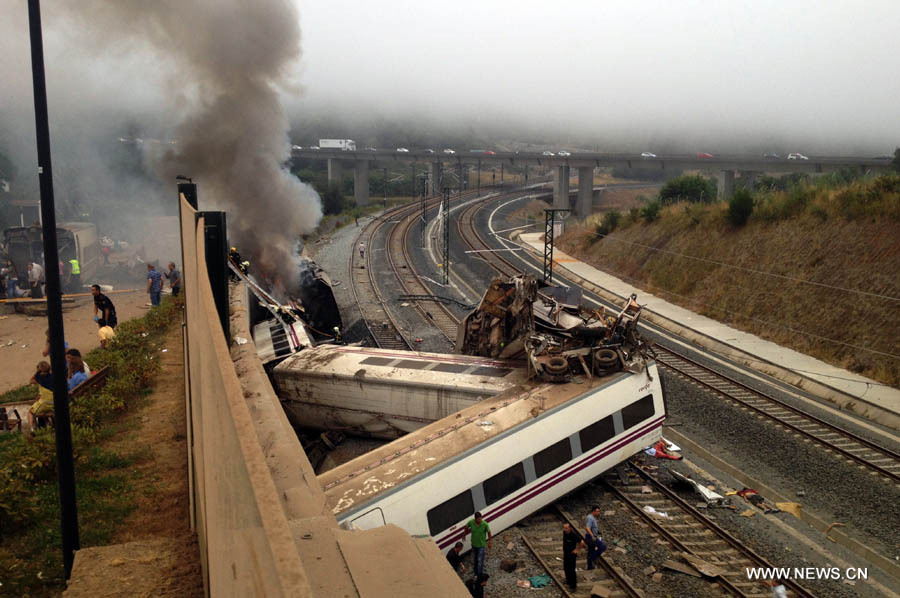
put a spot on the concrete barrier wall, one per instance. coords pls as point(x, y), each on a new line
point(246, 545)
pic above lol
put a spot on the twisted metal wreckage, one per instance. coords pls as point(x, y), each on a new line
point(559, 337)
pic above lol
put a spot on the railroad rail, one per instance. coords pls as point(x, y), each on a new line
point(438, 314)
point(838, 440)
point(542, 538)
point(691, 532)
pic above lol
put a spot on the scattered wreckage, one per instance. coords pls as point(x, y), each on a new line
point(559, 337)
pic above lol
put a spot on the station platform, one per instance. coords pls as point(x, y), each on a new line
point(850, 391)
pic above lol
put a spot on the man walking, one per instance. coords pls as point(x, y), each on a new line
point(595, 546)
point(481, 540)
point(35, 280)
point(154, 284)
point(105, 306)
point(571, 543)
point(174, 277)
point(362, 250)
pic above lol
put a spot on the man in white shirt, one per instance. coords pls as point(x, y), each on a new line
point(36, 280)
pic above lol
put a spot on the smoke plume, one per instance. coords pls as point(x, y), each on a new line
point(214, 70)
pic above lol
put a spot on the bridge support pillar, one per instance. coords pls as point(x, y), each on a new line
point(335, 172)
point(561, 187)
point(748, 178)
point(726, 184)
point(361, 182)
point(435, 173)
point(585, 204)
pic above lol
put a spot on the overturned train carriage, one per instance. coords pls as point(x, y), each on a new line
point(507, 456)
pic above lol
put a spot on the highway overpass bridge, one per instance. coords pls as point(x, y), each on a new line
point(584, 163)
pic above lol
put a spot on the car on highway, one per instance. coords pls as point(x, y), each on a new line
point(314, 147)
point(771, 156)
point(548, 153)
point(797, 156)
point(428, 151)
point(489, 153)
point(370, 149)
point(647, 155)
point(449, 151)
point(703, 155)
point(564, 154)
point(402, 150)
point(297, 147)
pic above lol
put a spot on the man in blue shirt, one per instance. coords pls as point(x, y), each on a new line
point(154, 284)
point(592, 539)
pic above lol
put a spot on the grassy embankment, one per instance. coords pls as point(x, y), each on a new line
point(843, 240)
point(107, 485)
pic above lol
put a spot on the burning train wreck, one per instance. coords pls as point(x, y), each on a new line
point(549, 327)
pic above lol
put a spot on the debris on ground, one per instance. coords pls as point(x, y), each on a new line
point(523, 583)
point(704, 567)
point(652, 511)
point(794, 508)
point(681, 568)
point(509, 565)
point(240, 340)
point(706, 492)
point(748, 513)
point(600, 591)
point(539, 581)
point(833, 525)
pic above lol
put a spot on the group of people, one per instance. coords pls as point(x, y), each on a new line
point(572, 541)
point(69, 276)
point(154, 282)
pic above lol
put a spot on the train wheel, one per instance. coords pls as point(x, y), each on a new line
point(606, 360)
point(556, 365)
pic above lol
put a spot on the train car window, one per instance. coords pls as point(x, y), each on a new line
point(450, 512)
point(552, 457)
point(637, 412)
point(506, 482)
point(597, 433)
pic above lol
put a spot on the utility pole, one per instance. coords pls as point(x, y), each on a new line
point(549, 229)
point(478, 178)
point(412, 180)
point(445, 223)
point(68, 506)
point(459, 186)
point(501, 174)
point(384, 185)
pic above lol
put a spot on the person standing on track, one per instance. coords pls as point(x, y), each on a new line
point(481, 541)
point(362, 250)
point(572, 541)
point(595, 545)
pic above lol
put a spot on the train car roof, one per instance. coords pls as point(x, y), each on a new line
point(462, 372)
point(357, 481)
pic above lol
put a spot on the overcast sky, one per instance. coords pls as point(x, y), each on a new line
point(817, 76)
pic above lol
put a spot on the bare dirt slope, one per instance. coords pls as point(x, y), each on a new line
point(761, 290)
point(157, 554)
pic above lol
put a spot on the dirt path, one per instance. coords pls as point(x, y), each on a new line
point(22, 337)
point(157, 554)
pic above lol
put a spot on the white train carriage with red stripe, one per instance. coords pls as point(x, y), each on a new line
point(506, 457)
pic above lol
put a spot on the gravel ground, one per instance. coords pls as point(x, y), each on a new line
point(835, 489)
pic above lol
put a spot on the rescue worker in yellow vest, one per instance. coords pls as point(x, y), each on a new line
point(75, 284)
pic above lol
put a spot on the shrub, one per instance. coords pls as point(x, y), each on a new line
point(333, 201)
point(650, 212)
point(608, 223)
point(689, 187)
point(740, 206)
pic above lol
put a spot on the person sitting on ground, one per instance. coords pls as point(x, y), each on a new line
point(105, 306)
point(76, 353)
point(44, 404)
point(105, 332)
point(76, 371)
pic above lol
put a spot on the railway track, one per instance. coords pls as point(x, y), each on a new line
point(867, 454)
point(690, 532)
point(543, 539)
point(401, 263)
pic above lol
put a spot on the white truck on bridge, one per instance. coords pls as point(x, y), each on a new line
point(341, 144)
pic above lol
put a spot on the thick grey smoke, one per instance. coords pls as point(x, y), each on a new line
point(210, 73)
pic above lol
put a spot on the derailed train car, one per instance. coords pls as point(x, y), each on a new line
point(320, 309)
